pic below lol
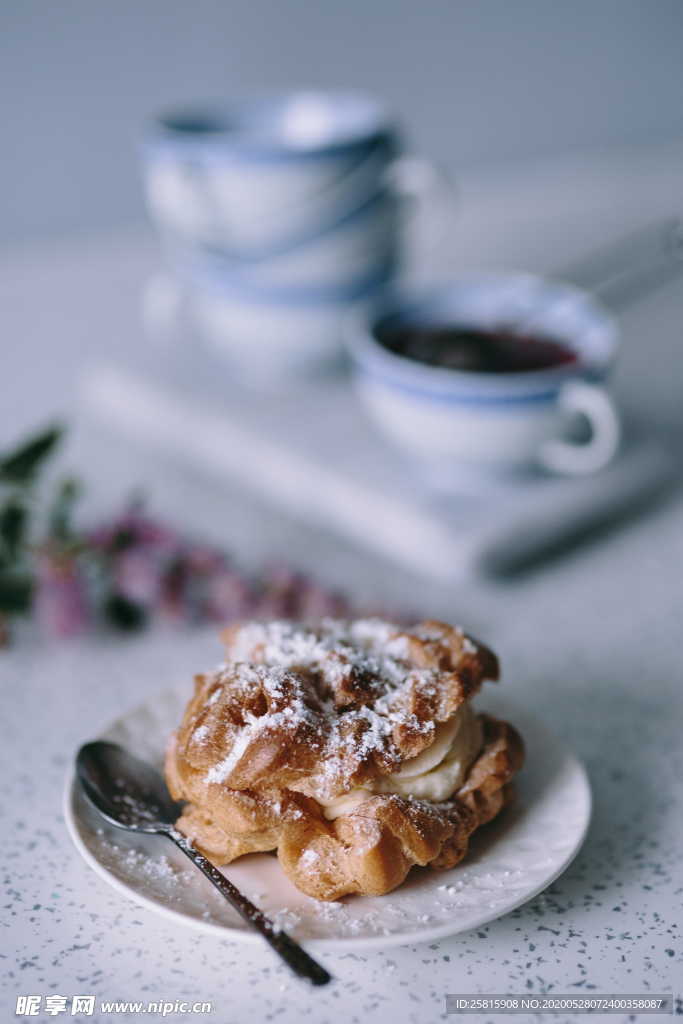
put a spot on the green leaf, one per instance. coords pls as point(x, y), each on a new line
point(61, 512)
point(20, 466)
point(13, 522)
point(15, 593)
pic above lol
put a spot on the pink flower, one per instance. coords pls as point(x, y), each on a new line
point(133, 529)
point(318, 603)
point(285, 593)
point(60, 601)
point(229, 596)
point(137, 575)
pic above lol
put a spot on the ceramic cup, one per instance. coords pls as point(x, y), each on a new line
point(277, 215)
point(364, 244)
point(262, 176)
point(280, 332)
point(262, 336)
point(458, 420)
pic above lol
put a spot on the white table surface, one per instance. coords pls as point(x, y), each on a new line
point(591, 642)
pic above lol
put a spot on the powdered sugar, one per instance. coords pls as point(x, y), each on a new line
point(347, 683)
point(364, 643)
point(200, 734)
point(220, 771)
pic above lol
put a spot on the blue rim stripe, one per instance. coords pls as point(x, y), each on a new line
point(460, 397)
point(291, 297)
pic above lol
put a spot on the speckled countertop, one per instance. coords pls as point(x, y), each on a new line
point(592, 643)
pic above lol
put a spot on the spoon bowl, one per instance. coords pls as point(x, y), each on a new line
point(126, 791)
point(132, 795)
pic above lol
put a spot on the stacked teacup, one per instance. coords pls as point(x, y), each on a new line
point(276, 217)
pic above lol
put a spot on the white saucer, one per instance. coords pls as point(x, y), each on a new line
point(510, 861)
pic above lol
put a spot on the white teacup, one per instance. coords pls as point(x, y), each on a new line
point(263, 174)
point(364, 244)
point(277, 215)
point(263, 335)
point(455, 420)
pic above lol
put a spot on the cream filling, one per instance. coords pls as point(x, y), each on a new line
point(434, 775)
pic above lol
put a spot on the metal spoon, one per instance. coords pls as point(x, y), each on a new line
point(132, 795)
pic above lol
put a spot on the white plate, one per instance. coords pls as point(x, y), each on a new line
point(509, 861)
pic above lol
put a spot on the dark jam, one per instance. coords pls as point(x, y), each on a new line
point(473, 349)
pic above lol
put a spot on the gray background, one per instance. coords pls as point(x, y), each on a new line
point(475, 82)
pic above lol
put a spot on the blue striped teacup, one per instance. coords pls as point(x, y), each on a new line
point(454, 420)
point(263, 175)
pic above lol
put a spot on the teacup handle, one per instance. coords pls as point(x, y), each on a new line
point(590, 401)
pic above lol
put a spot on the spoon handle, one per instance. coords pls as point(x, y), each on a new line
point(293, 955)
